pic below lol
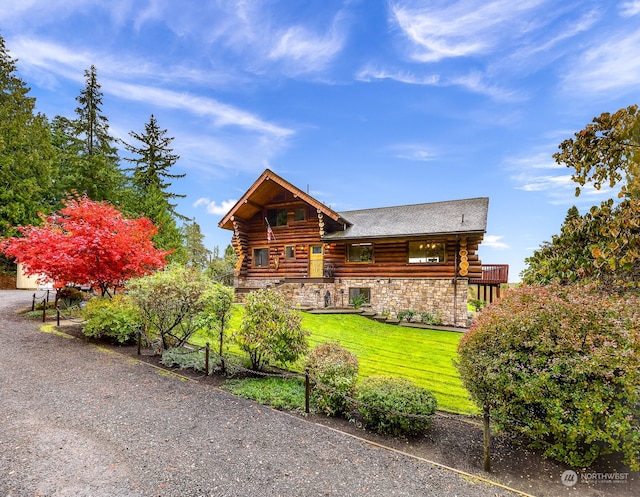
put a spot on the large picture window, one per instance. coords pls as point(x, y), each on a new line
point(424, 252)
point(261, 257)
point(360, 252)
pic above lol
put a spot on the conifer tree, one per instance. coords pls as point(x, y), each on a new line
point(97, 173)
point(26, 168)
point(196, 253)
point(150, 177)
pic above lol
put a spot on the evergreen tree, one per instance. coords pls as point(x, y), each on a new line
point(97, 173)
point(26, 168)
point(196, 253)
point(153, 158)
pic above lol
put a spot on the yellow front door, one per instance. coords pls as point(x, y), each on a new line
point(316, 261)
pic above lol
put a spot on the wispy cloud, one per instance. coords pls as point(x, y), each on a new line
point(493, 241)
point(213, 207)
point(459, 29)
point(413, 152)
point(611, 64)
point(630, 9)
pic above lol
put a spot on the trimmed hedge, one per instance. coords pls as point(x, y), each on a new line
point(390, 399)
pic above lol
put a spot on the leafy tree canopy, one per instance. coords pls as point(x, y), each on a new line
point(88, 243)
point(604, 244)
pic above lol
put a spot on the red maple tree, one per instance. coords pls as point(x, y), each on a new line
point(87, 243)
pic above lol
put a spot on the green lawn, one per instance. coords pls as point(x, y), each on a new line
point(424, 356)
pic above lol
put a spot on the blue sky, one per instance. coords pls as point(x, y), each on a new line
point(363, 103)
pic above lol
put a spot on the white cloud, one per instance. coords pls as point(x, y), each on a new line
point(630, 9)
point(459, 29)
point(493, 241)
point(213, 208)
point(413, 152)
point(610, 65)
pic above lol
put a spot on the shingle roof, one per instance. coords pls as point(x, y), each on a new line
point(454, 216)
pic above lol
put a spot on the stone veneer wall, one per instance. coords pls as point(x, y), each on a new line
point(434, 295)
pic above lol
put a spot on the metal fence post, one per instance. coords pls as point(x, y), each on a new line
point(206, 360)
point(33, 303)
point(44, 311)
point(139, 341)
point(307, 390)
point(57, 316)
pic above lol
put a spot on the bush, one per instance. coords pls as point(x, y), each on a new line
point(117, 318)
point(559, 366)
point(271, 330)
point(431, 318)
point(395, 406)
point(337, 368)
point(70, 296)
point(170, 302)
point(183, 358)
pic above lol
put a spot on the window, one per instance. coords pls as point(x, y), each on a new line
point(426, 252)
point(362, 295)
point(360, 252)
point(261, 257)
point(300, 215)
point(277, 217)
point(289, 251)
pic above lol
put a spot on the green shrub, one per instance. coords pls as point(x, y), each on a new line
point(395, 406)
point(358, 300)
point(406, 315)
point(183, 358)
point(70, 296)
point(336, 368)
point(271, 330)
point(171, 302)
point(431, 318)
point(117, 318)
point(559, 366)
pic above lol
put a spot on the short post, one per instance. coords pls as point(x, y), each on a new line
point(307, 390)
point(487, 439)
point(57, 316)
point(206, 360)
point(47, 297)
point(44, 311)
point(139, 341)
point(33, 303)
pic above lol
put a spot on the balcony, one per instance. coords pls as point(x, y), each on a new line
point(492, 274)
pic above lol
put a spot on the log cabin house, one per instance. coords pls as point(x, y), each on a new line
point(418, 257)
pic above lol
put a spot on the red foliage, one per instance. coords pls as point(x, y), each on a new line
point(87, 243)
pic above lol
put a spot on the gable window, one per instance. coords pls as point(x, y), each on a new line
point(424, 252)
point(360, 252)
point(289, 251)
point(300, 214)
point(277, 217)
point(261, 257)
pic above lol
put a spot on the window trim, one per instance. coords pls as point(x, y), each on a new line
point(427, 262)
point(253, 257)
point(293, 250)
point(348, 252)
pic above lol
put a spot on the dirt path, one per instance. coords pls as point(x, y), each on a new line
point(80, 420)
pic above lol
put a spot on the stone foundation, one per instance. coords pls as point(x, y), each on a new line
point(391, 296)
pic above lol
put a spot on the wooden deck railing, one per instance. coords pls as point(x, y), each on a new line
point(492, 274)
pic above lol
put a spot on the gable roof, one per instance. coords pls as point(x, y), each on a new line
point(451, 217)
point(264, 189)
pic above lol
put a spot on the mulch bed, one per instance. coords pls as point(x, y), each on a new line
point(455, 441)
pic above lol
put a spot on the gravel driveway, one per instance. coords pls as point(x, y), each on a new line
point(76, 420)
